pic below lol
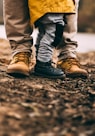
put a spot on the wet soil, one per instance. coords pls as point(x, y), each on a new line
point(36, 106)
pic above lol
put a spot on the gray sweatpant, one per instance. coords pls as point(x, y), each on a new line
point(50, 28)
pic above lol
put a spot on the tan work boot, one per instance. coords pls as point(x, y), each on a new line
point(72, 68)
point(19, 65)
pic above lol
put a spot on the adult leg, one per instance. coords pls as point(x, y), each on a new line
point(18, 31)
point(67, 59)
point(67, 47)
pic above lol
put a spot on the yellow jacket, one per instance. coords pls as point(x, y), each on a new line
point(38, 8)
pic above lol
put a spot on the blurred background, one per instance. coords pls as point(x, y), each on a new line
point(1, 11)
point(86, 24)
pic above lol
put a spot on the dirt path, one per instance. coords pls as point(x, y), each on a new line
point(36, 106)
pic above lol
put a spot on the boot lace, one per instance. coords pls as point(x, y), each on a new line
point(24, 57)
point(67, 64)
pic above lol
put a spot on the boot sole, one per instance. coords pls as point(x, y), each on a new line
point(47, 76)
point(18, 73)
point(76, 75)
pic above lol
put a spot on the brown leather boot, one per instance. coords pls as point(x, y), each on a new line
point(72, 68)
point(19, 65)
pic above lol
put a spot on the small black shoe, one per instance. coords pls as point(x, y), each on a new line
point(45, 69)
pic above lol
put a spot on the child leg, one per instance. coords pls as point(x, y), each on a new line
point(47, 32)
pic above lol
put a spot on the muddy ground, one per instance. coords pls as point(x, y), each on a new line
point(36, 106)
